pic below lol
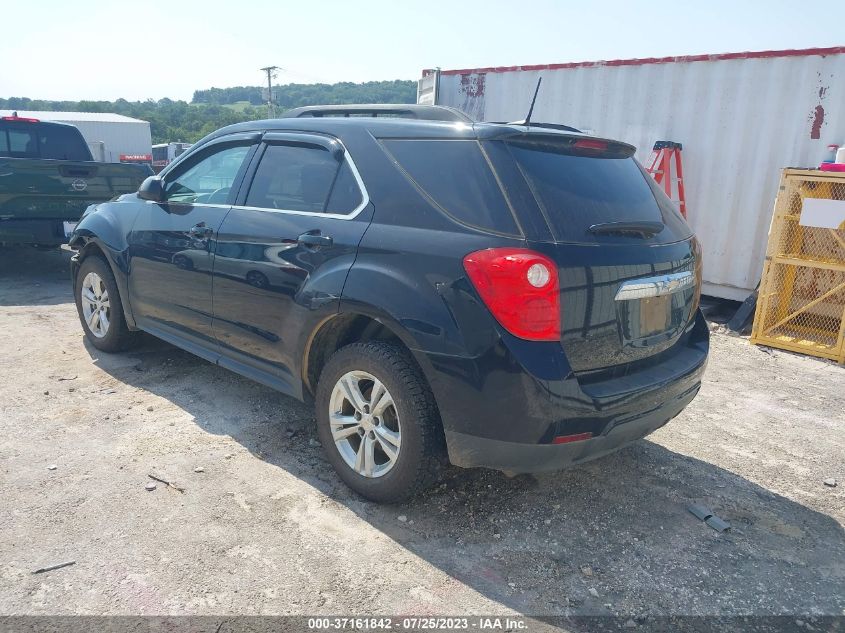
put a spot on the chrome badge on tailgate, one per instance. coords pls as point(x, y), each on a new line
point(659, 286)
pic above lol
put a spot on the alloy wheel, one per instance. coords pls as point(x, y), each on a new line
point(96, 307)
point(365, 424)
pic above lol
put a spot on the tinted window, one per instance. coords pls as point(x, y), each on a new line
point(456, 176)
point(23, 142)
point(62, 143)
point(210, 179)
point(346, 195)
point(303, 178)
point(45, 141)
point(577, 192)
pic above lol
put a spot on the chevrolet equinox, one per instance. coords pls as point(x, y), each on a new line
point(514, 297)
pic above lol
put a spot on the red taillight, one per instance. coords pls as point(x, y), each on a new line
point(520, 287)
point(20, 119)
point(598, 146)
point(577, 437)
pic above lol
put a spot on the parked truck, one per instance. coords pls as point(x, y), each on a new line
point(166, 153)
point(48, 177)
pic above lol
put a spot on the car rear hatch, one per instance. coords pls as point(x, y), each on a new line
point(628, 264)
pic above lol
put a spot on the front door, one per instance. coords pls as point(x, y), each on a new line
point(171, 245)
point(283, 253)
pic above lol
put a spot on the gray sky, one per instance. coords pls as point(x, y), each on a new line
point(136, 50)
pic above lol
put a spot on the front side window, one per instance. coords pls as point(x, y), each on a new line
point(304, 178)
point(210, 179)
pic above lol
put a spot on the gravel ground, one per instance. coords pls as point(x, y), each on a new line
point(263, 526)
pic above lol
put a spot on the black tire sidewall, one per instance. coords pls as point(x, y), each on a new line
point(401, 481)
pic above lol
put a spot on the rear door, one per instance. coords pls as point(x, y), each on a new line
point(171, 245)
point(627, 261)
point(283, 252)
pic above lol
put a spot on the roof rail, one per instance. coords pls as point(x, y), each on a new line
point(394, 110)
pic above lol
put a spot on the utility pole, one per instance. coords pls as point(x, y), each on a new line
point(271, 74)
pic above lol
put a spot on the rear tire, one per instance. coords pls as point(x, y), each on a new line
point(407, 435)
point(100, 308)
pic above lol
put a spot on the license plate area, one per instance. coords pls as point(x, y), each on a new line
point(650, 311)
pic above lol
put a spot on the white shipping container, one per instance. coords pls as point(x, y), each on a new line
point(741, 118)
point(119, 135)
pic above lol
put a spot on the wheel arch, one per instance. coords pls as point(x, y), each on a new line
point(343, 328)
point(90, 245)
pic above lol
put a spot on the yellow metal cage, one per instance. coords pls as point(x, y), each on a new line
point(801, 303)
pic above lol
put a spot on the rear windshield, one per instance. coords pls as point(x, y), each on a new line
point(456, 176)
point(579, 191)
point(44, 141)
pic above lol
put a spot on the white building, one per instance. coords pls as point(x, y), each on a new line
point(110, 136)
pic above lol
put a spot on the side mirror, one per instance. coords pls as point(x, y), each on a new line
point(152, 189)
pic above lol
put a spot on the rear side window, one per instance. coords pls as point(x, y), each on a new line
point(456, 176)
point(346, 195)
point(303, 178)
point(578, 191)
point(23, 142)
point(62, 143)
point(43, 141)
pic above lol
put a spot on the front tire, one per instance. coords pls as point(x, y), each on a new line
point(378, 422)
point(99, 306)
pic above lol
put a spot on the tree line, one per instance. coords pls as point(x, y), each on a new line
point(295, 95)
point(213, 108)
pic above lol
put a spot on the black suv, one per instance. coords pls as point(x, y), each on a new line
point(514, 297)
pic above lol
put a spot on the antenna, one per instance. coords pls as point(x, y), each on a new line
point(531, 109)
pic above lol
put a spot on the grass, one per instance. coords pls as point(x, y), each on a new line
point(238, 106)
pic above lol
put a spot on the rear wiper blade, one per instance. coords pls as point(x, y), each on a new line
point(644, 229)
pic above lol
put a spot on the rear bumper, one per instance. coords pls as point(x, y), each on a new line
point(41, 232)
point(472, 451)
point(503, 409)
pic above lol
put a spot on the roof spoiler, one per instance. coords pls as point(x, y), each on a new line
point(548, 126)
point(567, 143)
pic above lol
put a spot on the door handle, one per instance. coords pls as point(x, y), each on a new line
point(315, 240)
point(201, 230)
